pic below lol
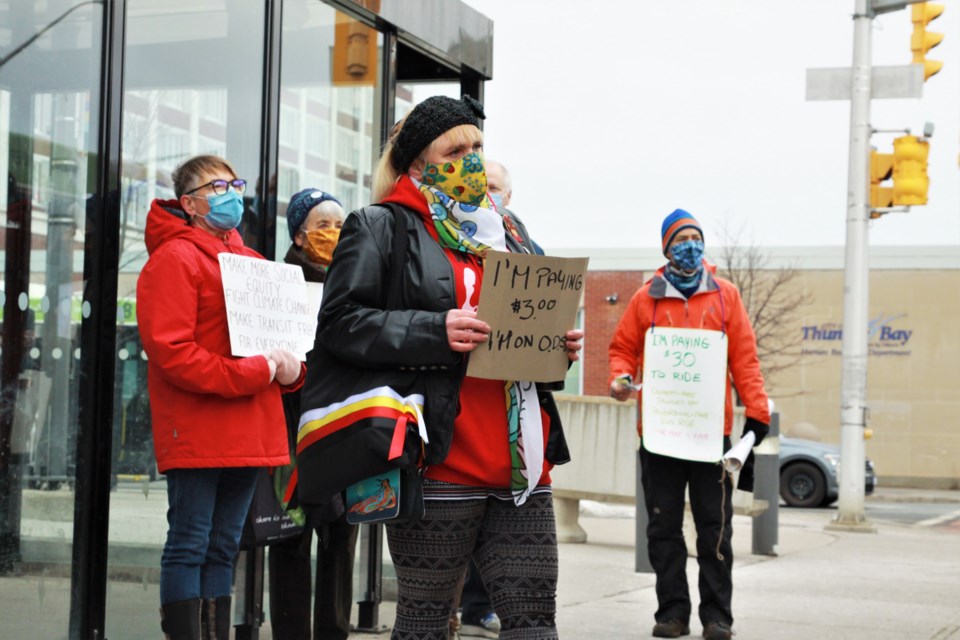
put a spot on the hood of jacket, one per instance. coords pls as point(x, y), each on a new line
point(167, 221)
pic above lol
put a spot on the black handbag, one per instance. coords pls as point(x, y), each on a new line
point(369, 418)
point(267, 520)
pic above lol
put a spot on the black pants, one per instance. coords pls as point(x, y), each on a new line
point(664, 480)
point(515, 549)
point(289, 563)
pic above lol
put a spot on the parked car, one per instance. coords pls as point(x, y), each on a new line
point(808, 473)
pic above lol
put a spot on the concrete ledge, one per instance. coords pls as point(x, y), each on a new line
point(567, 511)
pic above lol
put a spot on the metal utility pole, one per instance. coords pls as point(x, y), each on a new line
point(853, 389)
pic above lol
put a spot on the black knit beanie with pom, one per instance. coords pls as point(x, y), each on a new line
point(428, 121)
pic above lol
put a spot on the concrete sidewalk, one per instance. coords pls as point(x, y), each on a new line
point(901, 583)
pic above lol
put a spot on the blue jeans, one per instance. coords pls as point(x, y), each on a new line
point(207, 509)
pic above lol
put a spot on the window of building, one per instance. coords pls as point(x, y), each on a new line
point(325, 148)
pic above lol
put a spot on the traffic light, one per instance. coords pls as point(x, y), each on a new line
point(922, 40)
point(910, 181)
point(881, 168)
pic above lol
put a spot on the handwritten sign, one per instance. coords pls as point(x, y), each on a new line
point(684, 391)
point(267, 306)
point(530, 302)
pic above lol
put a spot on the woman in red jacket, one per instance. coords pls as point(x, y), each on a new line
point(216, 418)
point(685, 293)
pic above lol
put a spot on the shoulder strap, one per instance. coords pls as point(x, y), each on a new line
point(398, 257)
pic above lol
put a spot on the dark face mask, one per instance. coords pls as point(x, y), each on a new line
point(687, 255)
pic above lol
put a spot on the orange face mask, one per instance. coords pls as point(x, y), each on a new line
point(318, 244)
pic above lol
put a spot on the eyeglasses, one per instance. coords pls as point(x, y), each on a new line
point(220, 186)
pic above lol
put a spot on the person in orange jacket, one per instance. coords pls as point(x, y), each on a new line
point(686, 293)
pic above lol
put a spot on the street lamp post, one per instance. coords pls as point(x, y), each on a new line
point(853, 394)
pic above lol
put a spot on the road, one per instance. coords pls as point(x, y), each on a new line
point(908, 507)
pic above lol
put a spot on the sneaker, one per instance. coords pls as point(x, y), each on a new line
point(717, 631)
point(487, 627)
point(671, 629)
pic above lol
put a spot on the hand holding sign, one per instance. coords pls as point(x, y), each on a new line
point(288, 366)
point(464, 331)
point(574, 344)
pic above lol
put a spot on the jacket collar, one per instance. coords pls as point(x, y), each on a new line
point(312, 272)
point(167, 221)
point(661, 288)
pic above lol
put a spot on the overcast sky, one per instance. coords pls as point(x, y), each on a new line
point(612, 113)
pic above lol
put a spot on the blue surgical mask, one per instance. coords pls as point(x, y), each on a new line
point(688, 255)
point(226, 211)
point(497, 200)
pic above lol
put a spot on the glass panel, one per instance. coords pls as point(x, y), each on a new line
point(192, 81)
point(573, 385)
point(411, 93)
point(48, 115)
point(329, 113)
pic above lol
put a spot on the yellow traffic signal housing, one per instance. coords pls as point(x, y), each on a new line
point(910, 181)
point(922, 40)
point(355, 53)
point(881, 169)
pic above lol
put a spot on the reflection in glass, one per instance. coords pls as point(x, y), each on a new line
point(178, 103)
point(329, 107)
point(49, 82)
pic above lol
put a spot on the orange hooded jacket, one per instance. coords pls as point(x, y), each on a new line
point(717, 306)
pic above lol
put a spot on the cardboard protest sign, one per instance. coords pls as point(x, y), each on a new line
point(267, 306)
point(530, 302)
point(684, 388)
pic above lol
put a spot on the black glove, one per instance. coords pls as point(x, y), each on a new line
point(759, 430)
point(745, 479)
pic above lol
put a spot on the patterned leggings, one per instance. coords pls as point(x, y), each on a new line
point(515, 549)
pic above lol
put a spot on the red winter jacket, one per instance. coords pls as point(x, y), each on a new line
point(717, 306)
point(209, 408)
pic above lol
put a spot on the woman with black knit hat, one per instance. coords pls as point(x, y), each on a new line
point(491, 443)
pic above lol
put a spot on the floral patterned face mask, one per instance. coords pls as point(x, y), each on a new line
point(464, 180)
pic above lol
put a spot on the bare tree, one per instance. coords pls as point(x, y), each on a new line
point(774, 299)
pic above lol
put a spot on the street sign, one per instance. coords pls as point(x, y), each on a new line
point(902, 81)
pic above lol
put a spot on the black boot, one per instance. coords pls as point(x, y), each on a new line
point(181, 620)
point(215, 619)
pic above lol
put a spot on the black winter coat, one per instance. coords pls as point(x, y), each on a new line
point(355, 328)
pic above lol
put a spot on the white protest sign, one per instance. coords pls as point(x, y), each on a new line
point(684, 390)
point(314, 298)
point(267, 306)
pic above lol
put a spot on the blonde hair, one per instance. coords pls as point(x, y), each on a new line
point(387, 171)
point(188, 173)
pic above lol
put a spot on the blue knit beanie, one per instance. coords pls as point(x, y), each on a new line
point(674, 223)
point(301, 204)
